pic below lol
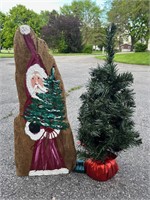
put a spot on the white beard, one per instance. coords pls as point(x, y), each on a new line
point(36, 90)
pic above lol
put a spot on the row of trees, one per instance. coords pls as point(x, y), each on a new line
point(68, 31)
point(79, 24)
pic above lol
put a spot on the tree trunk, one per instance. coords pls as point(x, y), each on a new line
point(132, 43)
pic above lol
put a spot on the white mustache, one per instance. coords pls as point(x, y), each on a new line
point(43, 89)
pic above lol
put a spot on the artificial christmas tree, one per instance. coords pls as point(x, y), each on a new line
point(106, 124)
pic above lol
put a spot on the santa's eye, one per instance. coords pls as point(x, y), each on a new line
point(38, 77)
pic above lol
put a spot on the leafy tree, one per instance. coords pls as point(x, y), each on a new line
point(88, 12)
point(17, 16)
point(132, 19)
point(106, 115)
point(44, 15)
point(99, 35)
point(50, 31)
point(2, 20)
point(63, 33)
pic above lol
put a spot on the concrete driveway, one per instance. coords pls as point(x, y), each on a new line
point(132, 180)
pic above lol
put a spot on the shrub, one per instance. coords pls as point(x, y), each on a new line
point(140, 47)
point(62, 47)
point(87, 48)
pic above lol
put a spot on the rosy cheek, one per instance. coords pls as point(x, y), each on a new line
point(33, 82)
point(40, 82)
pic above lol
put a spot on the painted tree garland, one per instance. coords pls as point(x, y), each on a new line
point(43, 139)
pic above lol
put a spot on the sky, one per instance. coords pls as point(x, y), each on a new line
point(38, 5)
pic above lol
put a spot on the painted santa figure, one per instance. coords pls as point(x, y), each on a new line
point(43, 112)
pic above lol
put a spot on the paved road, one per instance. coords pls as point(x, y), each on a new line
point(132, 180)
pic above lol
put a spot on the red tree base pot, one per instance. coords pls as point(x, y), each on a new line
point(101, 171)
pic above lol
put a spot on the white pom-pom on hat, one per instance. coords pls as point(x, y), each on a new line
point(25, 29)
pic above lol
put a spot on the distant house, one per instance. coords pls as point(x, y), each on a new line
point(125, 47)
point(126, 44)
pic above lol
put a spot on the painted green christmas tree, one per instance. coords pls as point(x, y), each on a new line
point(48, 110)
point(106, 123)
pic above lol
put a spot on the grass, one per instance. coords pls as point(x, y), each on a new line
point(97, 52)
point(10, 54)
point(9, 115)
point(68, 54)
point(73, 89)
point(4, 55)
point(75, 54)
point(7, 54)
point(139, 58)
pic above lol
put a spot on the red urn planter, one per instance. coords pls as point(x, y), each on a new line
point(100, 171)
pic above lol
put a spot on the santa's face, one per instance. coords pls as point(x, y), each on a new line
point(37, 83)
point(35, 78)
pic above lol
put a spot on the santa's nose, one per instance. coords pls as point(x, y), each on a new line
point(36, 82)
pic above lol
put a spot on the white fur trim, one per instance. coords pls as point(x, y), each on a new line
point(48, 172)
point(54, 134)
point(36, 173)
point(31, 71)
point(31, 135)
point(41, 134)
point(25, 29)
point(57, 131)
point(50, 136)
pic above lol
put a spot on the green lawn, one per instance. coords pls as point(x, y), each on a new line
point(10, 54)
point(54, 53)
point(7, 53)
point(69, 54)
point(139, 58)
